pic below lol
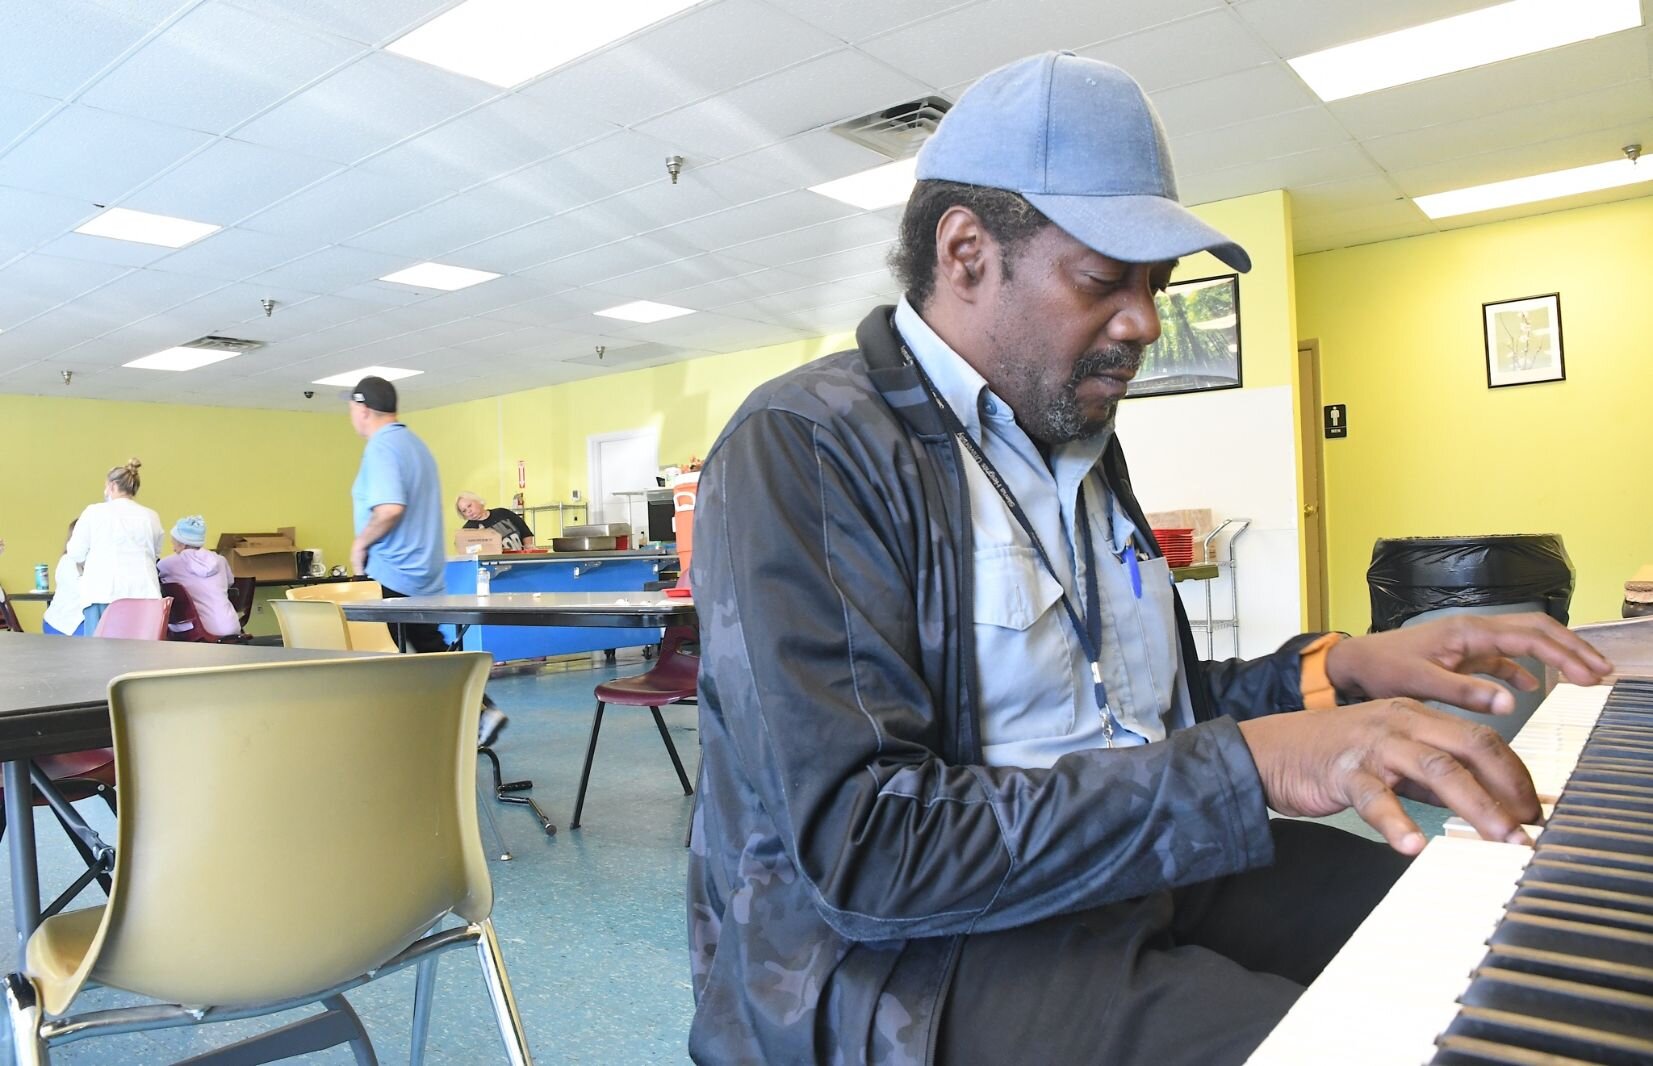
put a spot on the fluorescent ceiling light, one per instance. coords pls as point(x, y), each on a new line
point(182, 359)
point(439, 276)
point(1473, 39)
point(124, 224)
point(350, 377)
point(882, 186)
point(507, 42)
point(644, 311)
point(1531, 189)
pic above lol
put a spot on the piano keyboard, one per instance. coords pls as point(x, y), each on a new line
point(1562, 973)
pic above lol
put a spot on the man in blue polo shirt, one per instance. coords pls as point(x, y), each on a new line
point(397, 505)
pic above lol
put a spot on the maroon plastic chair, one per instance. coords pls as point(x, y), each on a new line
point(672, 680)
point(8, 616)
point(241, 598)
point(135, 619)
point(184, 621)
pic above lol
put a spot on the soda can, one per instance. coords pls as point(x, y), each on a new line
point(40, 572)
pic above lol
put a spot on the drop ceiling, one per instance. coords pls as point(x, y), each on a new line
point(331, 163)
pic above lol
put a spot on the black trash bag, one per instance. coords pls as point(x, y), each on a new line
point(1411, 575)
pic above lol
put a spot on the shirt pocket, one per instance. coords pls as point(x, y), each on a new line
point(1159, 629)
point(1013, 588)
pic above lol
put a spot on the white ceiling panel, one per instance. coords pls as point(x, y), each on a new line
point(611, 260)
point(216, 67)
point(857, 20)
point(852, 231)
point(103, 250)
point(291, 318)
point(616, 163)
point(542, 241)
point(1556, 154)
point(653, 283)
point(541, 311)
point(347, 203)
point(496, 138)
point(331, 269)
point(713, 48)
point(228, 181)
point(95, 155)
point(19, 112)
point(428, 232)
point(48, 280)
point(367, 21)
point(1206, 45)
point(1338, 163)
point(1262, 138)
point(28, 218)
point(1232, 98)
point(235, 254)
point(778, 214)
point(1332, 226)
point(713, 295)
point(1523, 82)
point(1326, 198)
point(142, 293)
point(845, 264)
point(1623, 105)
point(827, 89)
point(810, 159)
point(55, 48)
point(965, 43)
point(368, 106)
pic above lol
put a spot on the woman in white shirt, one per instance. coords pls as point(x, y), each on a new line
point(117, 544)
point(63, 615)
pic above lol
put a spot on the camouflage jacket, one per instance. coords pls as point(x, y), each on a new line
point(847, 835)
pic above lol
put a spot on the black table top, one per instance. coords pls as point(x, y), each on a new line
point(54, 691)
point(614, 610)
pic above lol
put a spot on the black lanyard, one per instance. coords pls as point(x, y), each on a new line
point(1089, 631)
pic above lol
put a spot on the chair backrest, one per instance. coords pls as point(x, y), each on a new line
point(8, 615)
point(241, 598)
point(182, 623)
point(135, 619)
point(364, 636)
point(349, 831)
point(679, 662)
point(315, 624)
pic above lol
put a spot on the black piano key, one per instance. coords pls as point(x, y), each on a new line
point(1601, 972)
point(1585, 905)
point(1468, 1051)
point(1558, 831)
point(1551, 869)
point(1572, 1002)
point(1553, 1037)
point(1593, 855)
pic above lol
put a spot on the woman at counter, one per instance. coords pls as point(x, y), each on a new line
point(514, 534)
point(116, 543)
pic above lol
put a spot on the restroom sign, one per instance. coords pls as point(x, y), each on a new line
point(1337, 420)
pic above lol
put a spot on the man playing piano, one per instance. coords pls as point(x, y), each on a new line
point(969, 795)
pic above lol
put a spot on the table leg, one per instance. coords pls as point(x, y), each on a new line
point(25, 878)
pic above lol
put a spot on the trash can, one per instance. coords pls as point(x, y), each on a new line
point(1417, 579)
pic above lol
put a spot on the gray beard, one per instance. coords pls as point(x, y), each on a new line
point(1057, 419)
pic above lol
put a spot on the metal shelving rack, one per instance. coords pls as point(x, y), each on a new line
point(1219, 558)
point(562, 509)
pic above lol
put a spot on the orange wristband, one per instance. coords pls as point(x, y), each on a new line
point(1319, 694)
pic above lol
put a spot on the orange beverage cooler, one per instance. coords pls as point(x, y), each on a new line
point(683, 489)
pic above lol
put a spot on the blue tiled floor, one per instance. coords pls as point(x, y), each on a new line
point(590, 922)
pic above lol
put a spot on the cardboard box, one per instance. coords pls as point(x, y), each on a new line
point(477, 542)
point(263, 556)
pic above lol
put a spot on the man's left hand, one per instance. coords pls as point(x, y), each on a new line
point(358, 558)
point(1434, 661)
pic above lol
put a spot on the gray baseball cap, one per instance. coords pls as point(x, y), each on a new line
point(1080, 140)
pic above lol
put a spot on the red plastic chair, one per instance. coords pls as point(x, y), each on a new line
point(135, 619)
point(672, 680)
point(184, 621)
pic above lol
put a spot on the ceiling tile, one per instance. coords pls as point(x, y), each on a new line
point(1537, 157)
point(654, 282)
point(1336, 225)
point(1308, 201)
point(823, 90)
point(27, 218)
point(368, 106)
point(44, 281)
point(216, 67)
point(609, 260)
point(778, 214)
point(620, 161)
point(229, 181)
point(19, 112)
point(291, 318)
point(103, 250)
point(233, 254)
point(1338, 163)
point(1262, 138)
point(495, 139)
point(367, 21)
point(810, 159)
point(346, 204)
point(1232, 98)
point(847, 263)
point(540, 242)
point(964, 43)
point(55, 48)
point(850, 232)
point(711, 49)
point(331, 269)
point(1206, 45)
point(713, 295)
point(430, 231)
point(95, 155)
point(857, 20)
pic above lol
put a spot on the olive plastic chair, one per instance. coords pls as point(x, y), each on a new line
point(327, 865)
point(364, 636)
point(315, 624)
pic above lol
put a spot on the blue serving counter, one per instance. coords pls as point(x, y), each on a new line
point(613, 571)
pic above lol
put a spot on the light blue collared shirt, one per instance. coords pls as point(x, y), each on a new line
point(1034, 680)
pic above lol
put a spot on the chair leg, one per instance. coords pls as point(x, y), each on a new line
point(490, 828)
point(671, 749)
point(499, 995)
point(694, 808)
point(585, 771)
point(23, 1011)
point(424, 990)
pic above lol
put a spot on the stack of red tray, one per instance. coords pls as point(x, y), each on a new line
point(1177, 544)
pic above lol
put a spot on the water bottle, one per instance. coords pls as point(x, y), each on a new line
point(484, 577)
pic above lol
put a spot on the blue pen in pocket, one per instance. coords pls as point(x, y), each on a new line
point(1133, 568)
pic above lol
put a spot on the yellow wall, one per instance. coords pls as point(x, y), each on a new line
point(244, 470)
point(1432, 451)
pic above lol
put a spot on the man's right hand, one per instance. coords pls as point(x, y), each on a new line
point(1366, 755)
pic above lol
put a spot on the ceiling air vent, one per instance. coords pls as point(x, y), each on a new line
point(896, 132)
point(223, 344)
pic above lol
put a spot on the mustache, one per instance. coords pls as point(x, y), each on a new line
point(1124, 355)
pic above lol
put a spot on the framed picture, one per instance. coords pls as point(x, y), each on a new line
point(1199, 339)
point(1524, 341)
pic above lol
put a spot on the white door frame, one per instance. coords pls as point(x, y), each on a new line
point(593, 466)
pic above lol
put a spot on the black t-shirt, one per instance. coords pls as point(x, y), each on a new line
point(507, 523)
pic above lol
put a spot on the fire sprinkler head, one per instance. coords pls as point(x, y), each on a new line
point(600, 350)
point(674, 166)
point(1632, 152)
point(269, 307)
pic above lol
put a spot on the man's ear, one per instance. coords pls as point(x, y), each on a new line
point(966, 254)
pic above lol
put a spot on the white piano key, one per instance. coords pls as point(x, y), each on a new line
point(1552, 738)
point(1394, 987)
